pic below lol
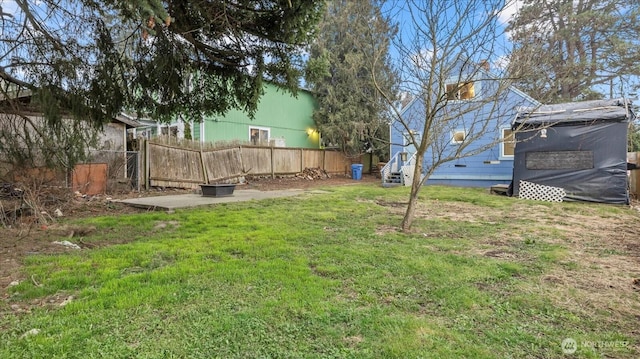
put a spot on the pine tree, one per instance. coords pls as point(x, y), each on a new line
point(567, 50)
point(351, 48)
point(633, 144)
point(87, 60)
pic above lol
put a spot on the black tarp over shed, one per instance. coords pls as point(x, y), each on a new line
point(579, 147)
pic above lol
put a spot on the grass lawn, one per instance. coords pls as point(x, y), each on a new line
point(328, 275)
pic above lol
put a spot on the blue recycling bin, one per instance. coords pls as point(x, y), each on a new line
point(356, 171)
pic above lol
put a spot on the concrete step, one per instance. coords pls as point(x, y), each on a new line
point(393, 179)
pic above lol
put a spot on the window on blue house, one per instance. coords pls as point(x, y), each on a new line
point(259, 135)
point(460, 91)
point(507, 144)
point(458, 136)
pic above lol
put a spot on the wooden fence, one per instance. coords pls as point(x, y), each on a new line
point(169, 165)
point(634, 177)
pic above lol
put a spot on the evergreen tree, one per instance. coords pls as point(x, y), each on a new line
point(350, 49)
point(87, 60)
point(633, 144)
point(567, 50)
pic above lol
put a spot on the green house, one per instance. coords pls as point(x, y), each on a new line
point(281, 120)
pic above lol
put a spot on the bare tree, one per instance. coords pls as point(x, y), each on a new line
point(444, 51)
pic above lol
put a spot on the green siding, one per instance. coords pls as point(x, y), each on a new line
point(285, 116)
point(196, 131)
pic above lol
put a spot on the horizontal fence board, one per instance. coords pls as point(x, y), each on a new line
point(186, 180)
point(174, 184)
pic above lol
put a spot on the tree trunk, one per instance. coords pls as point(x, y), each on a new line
point(416, 185)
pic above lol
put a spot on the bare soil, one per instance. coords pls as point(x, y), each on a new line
point(600, 262)
point(34, 233)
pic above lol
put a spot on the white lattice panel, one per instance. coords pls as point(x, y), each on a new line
point(539, 192)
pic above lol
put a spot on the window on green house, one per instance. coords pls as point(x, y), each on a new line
point(259, 135)
point(169, 131)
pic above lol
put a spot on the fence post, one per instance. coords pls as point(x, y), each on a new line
point(138, 171)
point(205, 175)
point(637, 173)
point(147, 167)
point(273, 171)
point(301, 161)
point(324, 159)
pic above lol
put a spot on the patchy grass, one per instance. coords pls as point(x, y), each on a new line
point(329, 275)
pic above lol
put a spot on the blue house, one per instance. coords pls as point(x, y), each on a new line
point(470, 143)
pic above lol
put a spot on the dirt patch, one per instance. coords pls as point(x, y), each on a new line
point(599, 260)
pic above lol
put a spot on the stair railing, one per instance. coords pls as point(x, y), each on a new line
point(388, 168)
point(410, 162)
point(395, 165)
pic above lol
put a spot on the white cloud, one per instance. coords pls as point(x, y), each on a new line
point(510, 8)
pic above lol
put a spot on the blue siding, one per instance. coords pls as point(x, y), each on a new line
point(480, 170)
point(477, 183)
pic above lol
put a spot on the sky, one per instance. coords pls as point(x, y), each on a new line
point(8, 6)
point(498, 61)
point(398, 11)
point(413, 18)
point(509, 11)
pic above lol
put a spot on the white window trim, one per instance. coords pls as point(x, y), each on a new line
point(453, 136)
point(179, 129)
point(502, 143)
point(260, 129)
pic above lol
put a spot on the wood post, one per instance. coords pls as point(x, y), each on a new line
point(205, 175)
point(301, 161)
point(147, 166)
point(273, 170)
